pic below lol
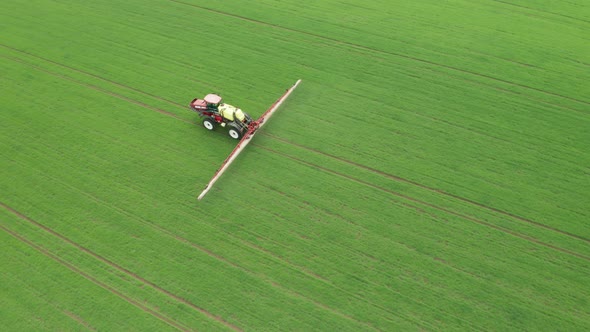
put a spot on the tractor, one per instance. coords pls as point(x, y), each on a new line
point(241, 126)
point(216, 113)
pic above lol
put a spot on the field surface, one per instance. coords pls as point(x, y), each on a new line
point(432, 171)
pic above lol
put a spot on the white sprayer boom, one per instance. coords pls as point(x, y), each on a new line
point(255, 125)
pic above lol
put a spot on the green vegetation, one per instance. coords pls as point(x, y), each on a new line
point(431, 172)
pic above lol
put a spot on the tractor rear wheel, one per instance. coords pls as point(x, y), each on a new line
point(209, 123)
point(235, 133)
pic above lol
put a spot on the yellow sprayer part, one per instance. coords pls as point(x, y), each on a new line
point(229, 112)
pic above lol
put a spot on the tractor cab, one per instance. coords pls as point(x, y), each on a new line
point(212, 101)
point(209, 104)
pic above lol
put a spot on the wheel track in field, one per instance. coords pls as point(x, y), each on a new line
point(118, 268)
point(527, 144)
point(341, 159)
point(260, 276)
point(487, 135)
point(310, 149)
point(393, 201)
point(82, 72)
point(540, 11)
point(79, 320)
point(510, 92)
point(88, 277)
point(257, 275)
point(333, 40)
point(379, 259)
point(366, 256)
point(471, 81)
point(255, 247)
point(295, 266)
point(457, 214)
point(23, 283)
point(435, 190)
point(159, 110)
point(390, 263)
point(372, 49)
point(177, 104)
point(181, 105)
point(387, 175)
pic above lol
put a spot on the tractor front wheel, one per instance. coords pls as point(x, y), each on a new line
point(209, 123)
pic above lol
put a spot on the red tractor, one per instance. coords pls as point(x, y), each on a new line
point(216, 113)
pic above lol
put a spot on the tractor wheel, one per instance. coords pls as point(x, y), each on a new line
point(209, 123)
point(235, 133)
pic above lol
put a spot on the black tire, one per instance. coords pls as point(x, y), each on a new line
point(209, 124)
point(235, 132)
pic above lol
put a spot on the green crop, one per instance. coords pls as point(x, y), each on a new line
point(431, 172)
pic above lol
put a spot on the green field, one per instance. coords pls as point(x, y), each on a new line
point(432, 171)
